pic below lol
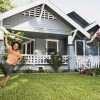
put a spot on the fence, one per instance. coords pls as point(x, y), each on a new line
point(39, 59)
point(87, 61)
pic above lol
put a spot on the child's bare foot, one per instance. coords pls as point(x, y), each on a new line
point(3, 85)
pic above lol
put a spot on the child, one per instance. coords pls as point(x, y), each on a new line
point(13, 58)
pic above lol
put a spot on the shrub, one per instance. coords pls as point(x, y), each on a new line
point(76, 70)
point(65, 70)
point(92, 71)
point(55, 61)
point(41, 70)
point(28, 70)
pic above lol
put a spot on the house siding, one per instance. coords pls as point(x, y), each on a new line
point(33, 24)
point(45, 67)
point(40, 45)
point(2, 51)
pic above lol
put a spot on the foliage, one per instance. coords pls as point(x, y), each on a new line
point(14, 38)
point(41, 70)
point(6, 5)
point(55, 61)
point(28, 70)
point(65, 70)
point(1, 67)
point(92, 71)
point(76, 70)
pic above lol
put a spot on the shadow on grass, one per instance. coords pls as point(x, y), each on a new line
point(15, 82)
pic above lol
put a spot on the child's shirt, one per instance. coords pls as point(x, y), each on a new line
point(13, 56)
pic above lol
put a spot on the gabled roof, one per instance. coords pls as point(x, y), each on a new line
point(93, 24)
point(78, 19)
point(49, 4)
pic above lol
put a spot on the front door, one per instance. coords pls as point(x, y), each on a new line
point(79, 47)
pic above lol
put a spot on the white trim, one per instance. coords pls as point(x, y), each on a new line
point(25, 48)
point(7, 32)
point(70, 40)
point(68, 19)
point(28, 41)
point(75, 32)
point(42, 8)
point(54, 40)
point(20, 9)
point(90, 26)
point(75, 49)
point(46, 47)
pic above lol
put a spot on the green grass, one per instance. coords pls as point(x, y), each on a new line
point(51, 87)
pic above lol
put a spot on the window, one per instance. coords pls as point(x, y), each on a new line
point(92, 49)
point(28, 48)
point(52, 46)
point(81, 48)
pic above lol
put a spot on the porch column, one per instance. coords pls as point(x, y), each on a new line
point(71, 54)
point(2, 47)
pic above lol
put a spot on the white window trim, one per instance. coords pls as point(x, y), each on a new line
point(28, 41)
point(52, 40)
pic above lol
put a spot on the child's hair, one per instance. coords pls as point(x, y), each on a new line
point(16, 42)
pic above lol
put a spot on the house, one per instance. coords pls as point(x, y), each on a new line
point(52, 30)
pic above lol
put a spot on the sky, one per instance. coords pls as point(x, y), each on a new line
point(88, 9)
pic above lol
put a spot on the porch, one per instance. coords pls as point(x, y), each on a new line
point(81, 61)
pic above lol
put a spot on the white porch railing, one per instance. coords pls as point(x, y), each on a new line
point(88, 61)
point(39, 59)
point(81, 61)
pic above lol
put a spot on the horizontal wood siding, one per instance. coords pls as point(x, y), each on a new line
point(41, 46)
point(33, 24)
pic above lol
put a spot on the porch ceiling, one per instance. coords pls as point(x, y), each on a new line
point(44, 35)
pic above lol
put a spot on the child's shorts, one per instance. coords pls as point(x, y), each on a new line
point(8, 69)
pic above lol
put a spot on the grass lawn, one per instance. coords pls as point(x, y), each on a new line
point(51, 87)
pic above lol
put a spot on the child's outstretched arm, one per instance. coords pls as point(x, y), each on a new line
point(6, 41)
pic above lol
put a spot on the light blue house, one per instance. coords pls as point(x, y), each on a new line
point(52, 30)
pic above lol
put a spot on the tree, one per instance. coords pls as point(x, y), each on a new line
point(6, 5)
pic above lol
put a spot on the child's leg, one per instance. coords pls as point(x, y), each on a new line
point(9, 71)
point(7, 77)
